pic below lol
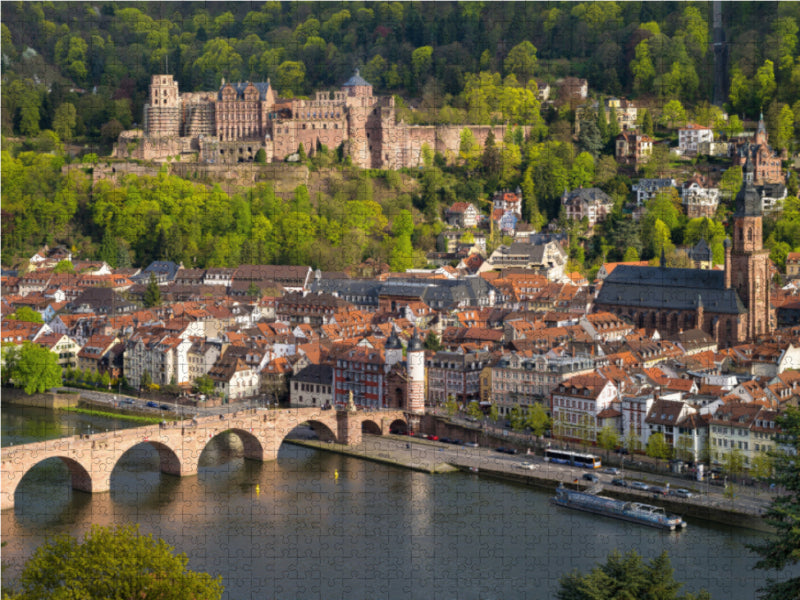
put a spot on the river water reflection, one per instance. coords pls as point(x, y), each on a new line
point(290, 529)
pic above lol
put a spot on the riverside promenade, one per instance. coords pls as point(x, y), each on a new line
point(707, 502)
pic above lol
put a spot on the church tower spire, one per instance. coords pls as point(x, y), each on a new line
point(749, 264)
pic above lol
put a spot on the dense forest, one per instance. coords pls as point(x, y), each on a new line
point(76, 74)
point(438, 54)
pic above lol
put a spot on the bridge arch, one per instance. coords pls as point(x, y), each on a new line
point(371, 427)
point(399, 425)
point(253, 449)
point(168, 459)
point(80, 477)
point(321, 428)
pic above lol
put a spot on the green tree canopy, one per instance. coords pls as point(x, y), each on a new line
point(121, 564)
point(432, 342)
point(608, 438)
point(521, 61)
point(26, 314)
point(474, 410)
point(64, 266)
point(537, 419)
point(33, 368)
point(783, 514)
point(152, 295)
point(625, 577)
point(657, 447)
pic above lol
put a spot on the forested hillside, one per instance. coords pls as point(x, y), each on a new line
point(438, 54)
point(76, 74)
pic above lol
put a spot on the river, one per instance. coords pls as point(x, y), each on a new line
point(290, 529)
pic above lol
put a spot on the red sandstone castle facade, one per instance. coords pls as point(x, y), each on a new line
point(234, 123)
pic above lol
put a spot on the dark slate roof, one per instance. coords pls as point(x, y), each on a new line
point(748, 201)
point(315, 374)
point(587, 195)
point(239, 87)
point(166, 268)
point(415, 343)
point(669, 289)
point(773, 190)
point(543, 238)
point(438, 293)
point(701, 251)
point(363, 292)
point(393, 342)
point(356, 80)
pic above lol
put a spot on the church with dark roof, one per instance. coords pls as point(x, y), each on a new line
point(732, 305)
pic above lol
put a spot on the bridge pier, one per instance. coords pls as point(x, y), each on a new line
point(348, 427)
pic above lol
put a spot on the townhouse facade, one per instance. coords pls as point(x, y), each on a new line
point(454, 375)
point(520, 379)
point(577, 404)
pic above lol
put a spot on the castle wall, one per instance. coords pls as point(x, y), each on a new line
point(231, 126)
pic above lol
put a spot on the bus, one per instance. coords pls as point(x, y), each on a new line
point(577, 459)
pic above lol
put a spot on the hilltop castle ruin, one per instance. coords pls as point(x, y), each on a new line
point(231, 125)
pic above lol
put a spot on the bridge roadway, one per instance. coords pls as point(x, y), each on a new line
point(92, 458)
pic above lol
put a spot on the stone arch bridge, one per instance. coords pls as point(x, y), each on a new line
point(92, 458)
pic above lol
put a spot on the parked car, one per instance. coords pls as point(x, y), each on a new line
point(638, 485)
point(681, 493)
point(658, 490)
point(151, 404)
point(164, 407)
point(503, 450)
point(591, 477)
point(611, 470)
point(433, 438)
point(471, 444)
point(526, 465)
point(619, 482)
point(446, 440)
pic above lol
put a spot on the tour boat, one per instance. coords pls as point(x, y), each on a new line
point(636, 512)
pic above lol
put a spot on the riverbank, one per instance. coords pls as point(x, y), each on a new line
point(378, 457)
point(113, 415)
point(435, 458)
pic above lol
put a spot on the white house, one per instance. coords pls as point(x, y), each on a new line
point(691, 136)
point(576, 403)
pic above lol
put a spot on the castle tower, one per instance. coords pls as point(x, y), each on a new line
point(761, 132)
point(358, 101)
point(415, 357)
point(162, 113)
point(749, 263)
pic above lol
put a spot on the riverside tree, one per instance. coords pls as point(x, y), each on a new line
point(115, 564)
point(783, 550)
point(33, 368)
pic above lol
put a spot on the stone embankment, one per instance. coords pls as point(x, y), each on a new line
point(435, 457)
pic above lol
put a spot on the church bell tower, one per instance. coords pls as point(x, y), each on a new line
point(749, 264)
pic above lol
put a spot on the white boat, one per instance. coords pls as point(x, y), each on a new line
point(636, 512)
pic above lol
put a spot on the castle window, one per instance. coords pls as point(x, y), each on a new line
point(749, 235)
